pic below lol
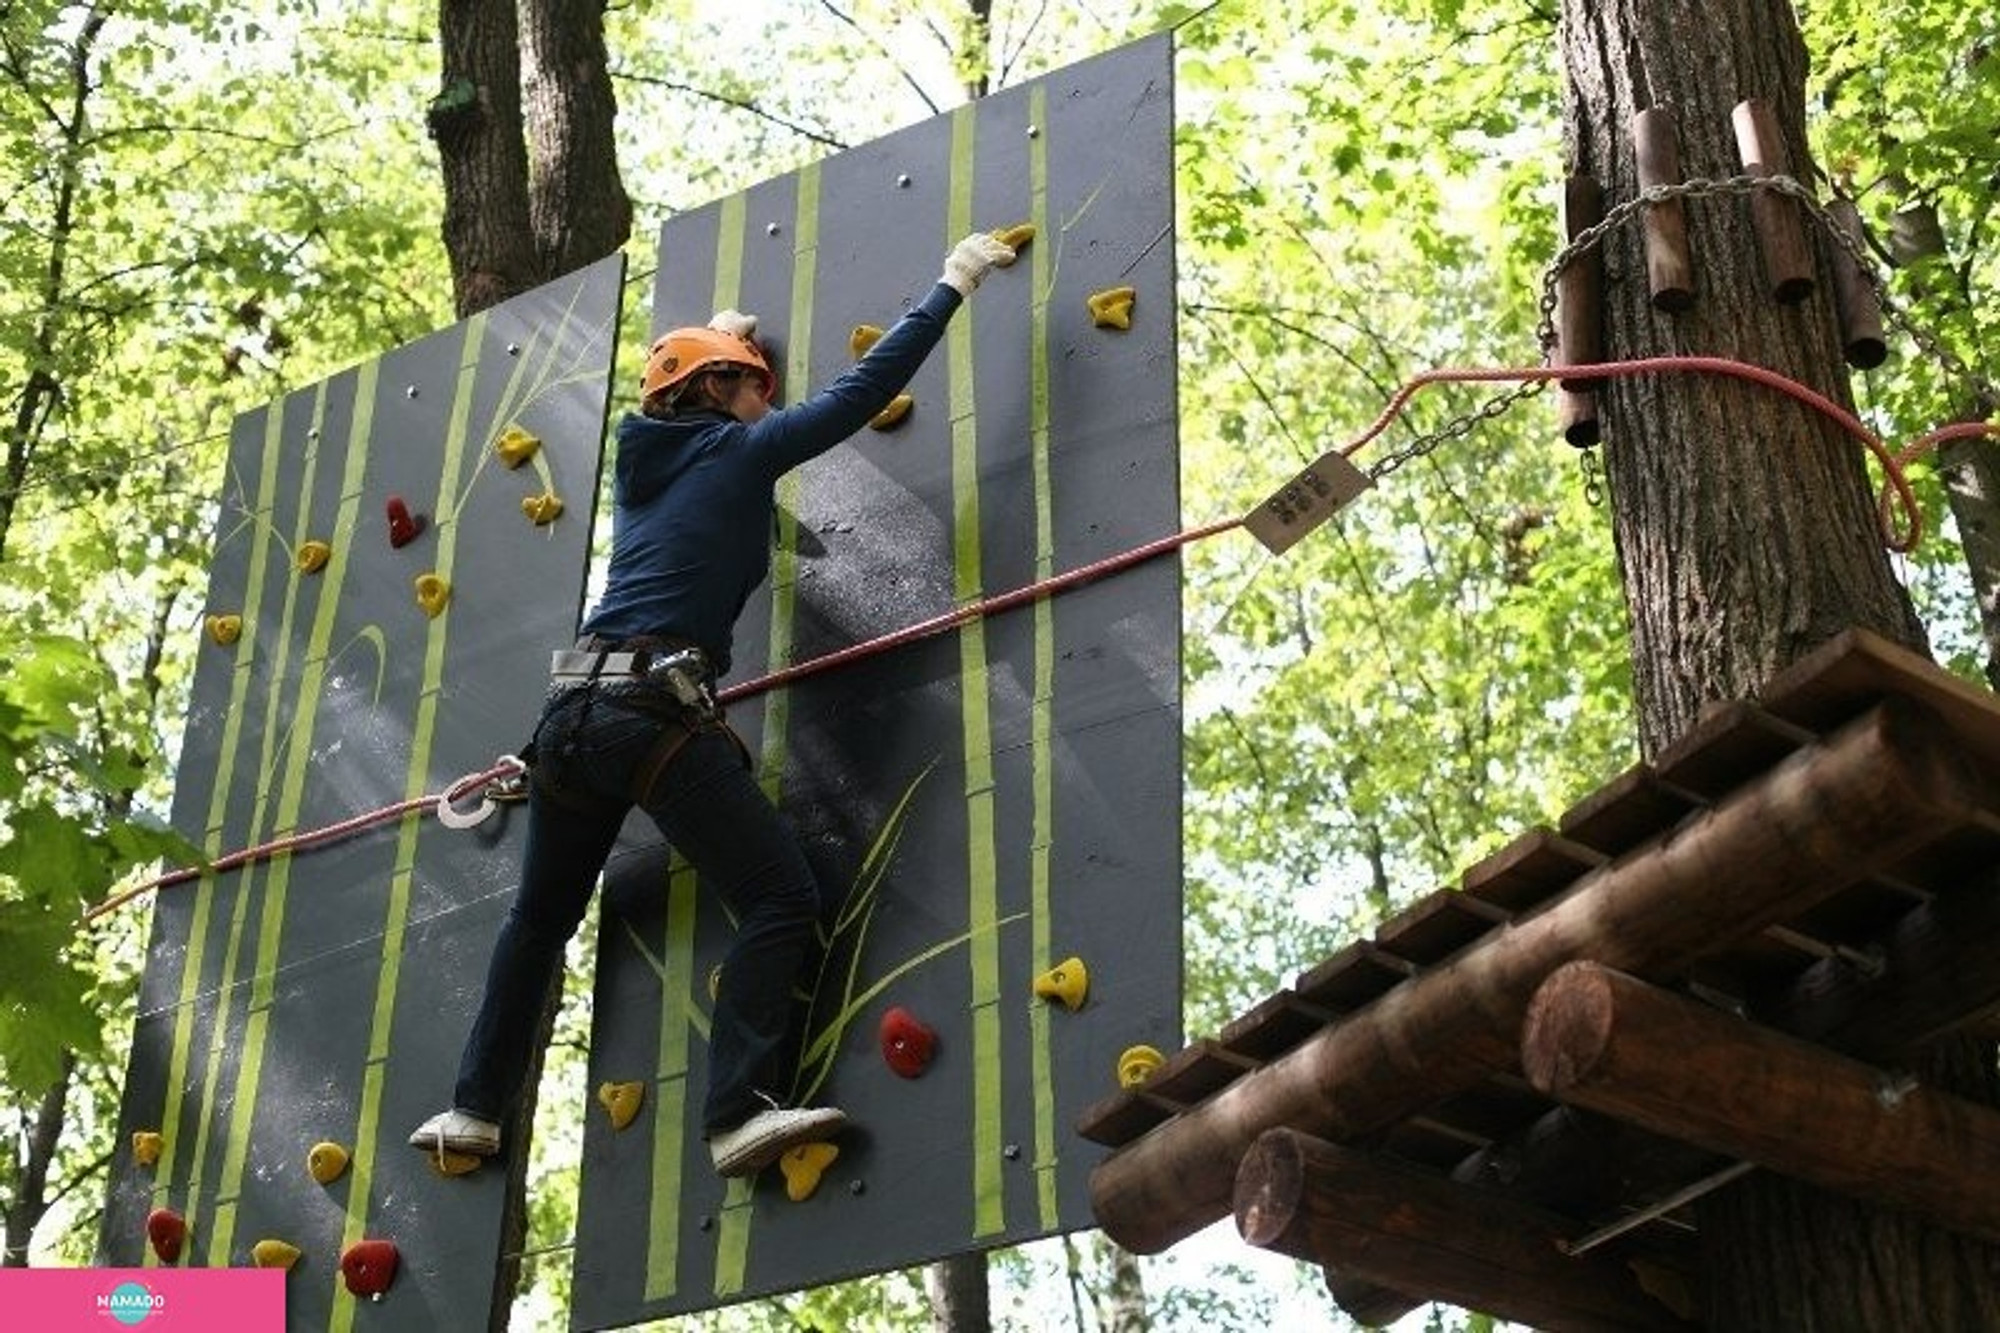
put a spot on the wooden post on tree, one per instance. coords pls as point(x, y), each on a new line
point(1745, 535)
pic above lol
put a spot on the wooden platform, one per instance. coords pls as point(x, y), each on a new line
point(1820, 864)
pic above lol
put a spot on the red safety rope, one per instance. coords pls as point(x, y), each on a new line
point(507, 767)
point(1893, 465)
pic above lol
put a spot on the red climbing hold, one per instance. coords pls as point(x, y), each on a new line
point(369, 1266)
point(166, 1230)
point(907, 1044)
point(403, 525)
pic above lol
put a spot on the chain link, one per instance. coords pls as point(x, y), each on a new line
point(1700, 188)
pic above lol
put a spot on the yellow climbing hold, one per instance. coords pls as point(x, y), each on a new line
point(449, 1163)
point(1068, 981)
point(543, 508)
point(1137, 1064)
point(714, 982)
point(1112, 307)
point(325, 1161)
point(622, 1100)
point(516, 446)
point(147, 1145)
point(803, 1166)
point(898, 408)
point(225, 630)
point(313, 556)
point(864, 337)
point(273, 1253)
point(1015, 238)
point(432, 593)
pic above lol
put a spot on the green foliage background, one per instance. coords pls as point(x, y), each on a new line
point(234, 202)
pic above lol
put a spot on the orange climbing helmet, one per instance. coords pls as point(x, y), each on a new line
point(678, 356)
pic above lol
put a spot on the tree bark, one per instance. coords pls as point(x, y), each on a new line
point(957, 1289)
point(1745, 535)
point(476, 121)
point(576, 201)
point(1121, 1307)
point(28, 1199)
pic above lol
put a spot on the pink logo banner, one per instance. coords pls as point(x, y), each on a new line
point(153, 1300)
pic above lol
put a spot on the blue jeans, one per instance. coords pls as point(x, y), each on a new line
point(601, 749)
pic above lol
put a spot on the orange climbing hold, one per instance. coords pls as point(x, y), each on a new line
point(448, 1163)
point(313, 556)
point(543, 509)
point(1112, 307)
point(273, 1253)
point(892, 415)
point(369, 1266)
point(803, 1166)
point(907, 1044)
point(166, 1232)
point(225, 630)
point(432, 594)
point(1068, 981)
point(621, 1101)
point(516, 446)
point(325, 1161)
point(147, 1146)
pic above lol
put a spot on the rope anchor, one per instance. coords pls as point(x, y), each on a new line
point(504, 783)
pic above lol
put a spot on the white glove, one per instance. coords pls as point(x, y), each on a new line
point(735, 322)
point(972, 259)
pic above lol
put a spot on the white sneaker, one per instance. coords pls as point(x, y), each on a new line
point(457, 1131)
point(769, 1135)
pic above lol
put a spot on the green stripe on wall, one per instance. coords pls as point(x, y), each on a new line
point(270, 918)
point(732, 1250)
point(670, 1085)
point(416, 782)
point(1042, 715)
point(983, 897)
point(257, 522)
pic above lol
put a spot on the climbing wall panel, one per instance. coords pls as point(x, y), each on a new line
point(323, 997)
point(980, 806)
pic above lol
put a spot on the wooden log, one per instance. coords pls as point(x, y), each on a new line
point(1854, 297)
point(1599, 1038)
point(1580, 285)
point(1838, 810)
point(1367, 1303)
point(1669, 269)
point(1938, 973)
point(1409, 1230)
point(1788, 266)
point(1577, 414)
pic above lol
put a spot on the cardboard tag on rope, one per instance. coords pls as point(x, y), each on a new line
point(1309, 499)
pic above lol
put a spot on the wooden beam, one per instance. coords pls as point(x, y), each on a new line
point(1409, 1230)
point(1367, 1303)
point(1599, 1038)
point(1938, 972)
point(1837, 810)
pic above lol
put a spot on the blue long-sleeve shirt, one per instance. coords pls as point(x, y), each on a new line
point(693, 496)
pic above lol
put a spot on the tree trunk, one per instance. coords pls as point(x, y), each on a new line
point(29, 1198)
point(1971, 472)
point(576, 200)
point(1121, 1308)
point(957, 1288)
point(476, 121)
point(1746, 535)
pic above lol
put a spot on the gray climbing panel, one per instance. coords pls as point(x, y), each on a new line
point(980, 806)
point(323, 997)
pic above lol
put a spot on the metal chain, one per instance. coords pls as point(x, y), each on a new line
point(1545, 326)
